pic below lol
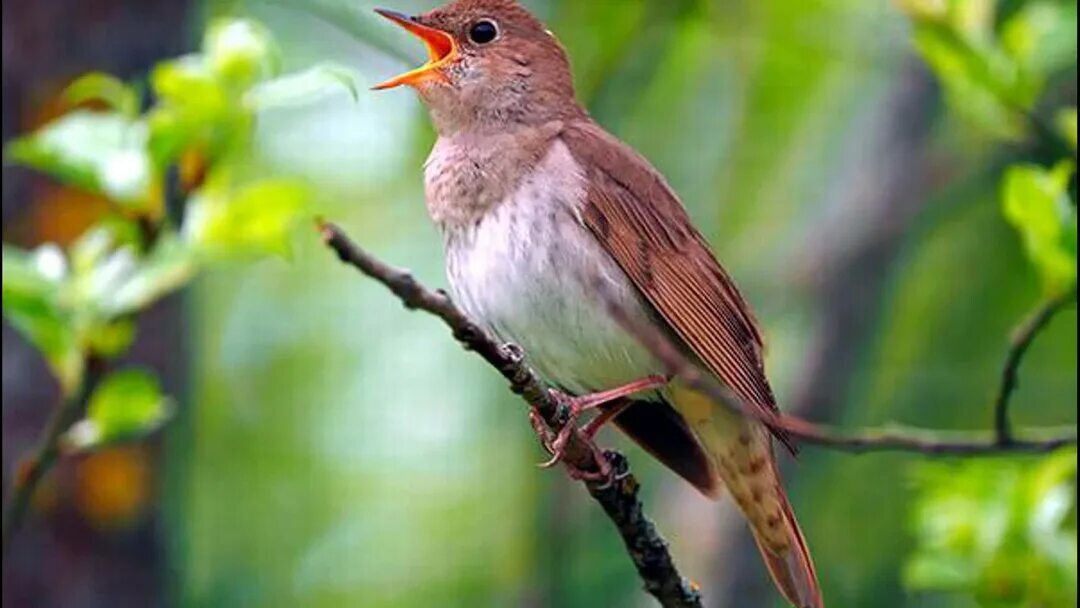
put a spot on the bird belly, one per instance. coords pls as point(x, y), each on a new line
point(528, 272)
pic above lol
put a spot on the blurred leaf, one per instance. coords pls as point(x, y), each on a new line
point(254, 219)
point(111, 339)
point(31, 286)
point(124, 284)
point(101, 239)
point(931, 11)
point(101, 152)
point(1066, 125)
point(1041, 36)
point(979, 84)
point(1036, 202)
point(189, 83)
point(997, 529)
point(303, 87)
point(126, 404)
point(240, 52)
point(112, 91)
point(992, 77)
point(195, 111)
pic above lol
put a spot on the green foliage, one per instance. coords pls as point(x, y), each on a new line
point(74, 305)
point(253, 219)
point(993, 66)
point(1001, 530)
point(103, 152)
point(32, 285)
point(1037, 203)
point(1066, 125)
point(126, 405)
point(81, 303)
point(240, 52)
point(104, 88)
point(1004, 531)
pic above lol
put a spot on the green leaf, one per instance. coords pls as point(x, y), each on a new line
point(111, 339)
point(100, 240)
point(31, 289)
point(979, 83)
point(125, 284)
point(303, 87)
point(255, 219)
point(127, 404)
point(196, 111)
point(1041, 36)
point(240, 52)
point(1036, 202)
point(189, 83)
point(1002, 530)
point(1065, 121)
point(112, 91)
point(101, 152)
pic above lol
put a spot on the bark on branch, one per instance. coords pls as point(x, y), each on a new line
point(646, 547)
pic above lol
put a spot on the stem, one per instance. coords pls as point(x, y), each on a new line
point(31, 472)
point(1021, 340)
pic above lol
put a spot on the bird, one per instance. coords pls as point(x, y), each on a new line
point(548, 221)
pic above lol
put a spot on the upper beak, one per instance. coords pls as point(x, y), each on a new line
point(440, 46)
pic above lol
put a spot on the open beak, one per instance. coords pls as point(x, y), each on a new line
point(440, 46)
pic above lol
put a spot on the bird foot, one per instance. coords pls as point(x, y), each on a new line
point(556, 444)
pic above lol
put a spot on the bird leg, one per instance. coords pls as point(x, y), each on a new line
point(577, 405)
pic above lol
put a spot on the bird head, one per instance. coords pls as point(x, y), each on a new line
point(491, 64)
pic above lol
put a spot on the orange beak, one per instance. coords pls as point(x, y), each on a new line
point(440, 46)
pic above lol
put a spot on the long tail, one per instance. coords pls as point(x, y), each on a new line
point(792, 570)
point(743, 453)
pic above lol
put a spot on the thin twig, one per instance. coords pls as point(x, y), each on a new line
point(1021, 339)
point(895, 439)
point(29, 474)
point(619, 499)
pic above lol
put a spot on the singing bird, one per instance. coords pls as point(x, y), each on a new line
point(548, 220)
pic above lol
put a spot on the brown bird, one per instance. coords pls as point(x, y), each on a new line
point(548, 220)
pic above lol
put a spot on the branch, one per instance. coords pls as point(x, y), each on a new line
point(896, 439)
point(1021, 340)
point(29, 473)
point(619, 499)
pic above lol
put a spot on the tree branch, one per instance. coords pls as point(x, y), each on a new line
point(647, 548)
point(1019, 343)
point(895, 439)
point(29, 473)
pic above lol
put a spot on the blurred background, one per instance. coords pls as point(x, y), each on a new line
point(329, 448)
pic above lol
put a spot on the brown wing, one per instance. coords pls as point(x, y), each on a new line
point(639, 220)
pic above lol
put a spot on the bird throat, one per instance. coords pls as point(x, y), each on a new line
point(470, 173)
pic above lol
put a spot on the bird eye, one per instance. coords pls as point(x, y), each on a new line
point(483, 32)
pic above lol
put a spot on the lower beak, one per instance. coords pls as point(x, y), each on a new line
point(440, 46)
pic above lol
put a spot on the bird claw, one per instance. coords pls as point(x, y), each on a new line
point(574, 407)
point(556, 445)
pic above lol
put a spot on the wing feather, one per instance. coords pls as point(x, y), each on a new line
point(639, 220)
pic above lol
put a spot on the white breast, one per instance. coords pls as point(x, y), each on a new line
point(527, 270)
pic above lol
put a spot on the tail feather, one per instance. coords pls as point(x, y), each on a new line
point(743, 455)
point(793, 571)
